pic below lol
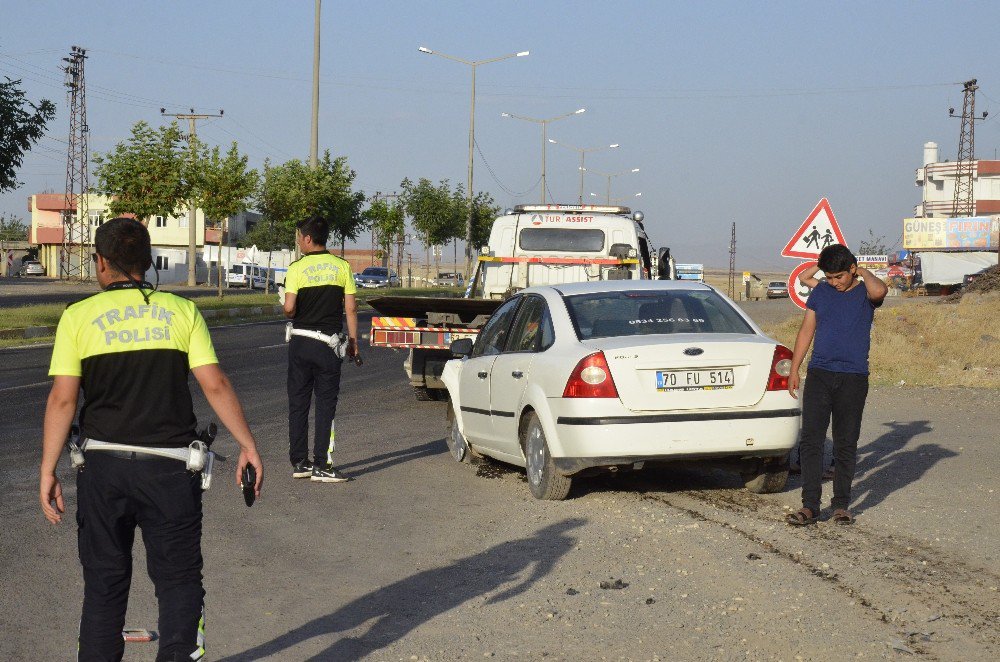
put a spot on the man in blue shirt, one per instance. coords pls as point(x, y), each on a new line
point(839, 314)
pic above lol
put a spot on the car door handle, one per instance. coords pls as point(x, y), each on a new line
point(482, 374)
point(517, 374)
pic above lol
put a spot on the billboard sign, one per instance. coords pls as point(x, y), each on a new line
point(972, 233)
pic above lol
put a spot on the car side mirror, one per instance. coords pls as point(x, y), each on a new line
point(461, 347)
point(663, 264)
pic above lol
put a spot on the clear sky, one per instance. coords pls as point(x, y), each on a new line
point(733, 111)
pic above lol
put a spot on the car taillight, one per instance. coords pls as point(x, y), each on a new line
point(591, 378)
point(781, 368)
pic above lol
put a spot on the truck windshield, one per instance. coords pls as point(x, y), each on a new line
point(569, 240)
point(643, 313)
point(236, 269)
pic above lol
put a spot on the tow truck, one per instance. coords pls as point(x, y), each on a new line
point(528, 245)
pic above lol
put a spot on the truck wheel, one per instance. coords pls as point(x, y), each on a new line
point(457, 444)
point(543, 479)
point(765, 479)
point(422, 393)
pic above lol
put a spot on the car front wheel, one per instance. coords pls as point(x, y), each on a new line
point(543, 479)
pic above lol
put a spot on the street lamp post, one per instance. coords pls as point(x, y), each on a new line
point(473, 64)
point(638, 195)
point(612, 175)
point(544, 123)
point(583, 153)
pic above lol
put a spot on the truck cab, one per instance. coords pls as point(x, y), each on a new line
point(529, 245)
point(553, 244)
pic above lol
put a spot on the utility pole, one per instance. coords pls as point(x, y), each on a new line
point(474, 64)
point(192, 118)
point(314, 144)
point(963, 203)
point(732, 264)
point(74, 262)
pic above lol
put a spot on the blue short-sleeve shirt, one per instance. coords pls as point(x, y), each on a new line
point(843, 328)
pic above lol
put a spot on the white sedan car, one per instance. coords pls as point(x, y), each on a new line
point(571, 379)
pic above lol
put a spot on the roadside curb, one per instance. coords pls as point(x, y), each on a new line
point(30, 332)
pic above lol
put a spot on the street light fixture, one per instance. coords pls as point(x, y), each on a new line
point(544, 123)
point(616, 200)
point(612, 175)
point(473, 64)
point(583, 153)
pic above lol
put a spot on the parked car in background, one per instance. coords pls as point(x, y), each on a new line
point(450, 279)
point(375, 277)
point(31, 268)
point(777, 289)
point(578, 378)
point(249, 275)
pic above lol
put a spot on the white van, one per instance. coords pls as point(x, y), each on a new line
point(248, 275)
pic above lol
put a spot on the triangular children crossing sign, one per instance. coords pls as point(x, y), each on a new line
point(819, 230)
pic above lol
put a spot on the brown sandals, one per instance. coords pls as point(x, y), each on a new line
point(802, 517)
point(841, 516)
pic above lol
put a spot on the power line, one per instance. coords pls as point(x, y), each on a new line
point(496, 179)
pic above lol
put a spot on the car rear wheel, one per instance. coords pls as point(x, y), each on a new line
point(543, 479)
point(765, 478)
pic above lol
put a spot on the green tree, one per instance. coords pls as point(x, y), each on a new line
point(484, 212)
point(873, 245)
point(292, 191)
point(22, 124)
point(150, 174)
point(388, 221)
point(12, 228)
point(436, 218)
point(337, 201)
point(222, 185)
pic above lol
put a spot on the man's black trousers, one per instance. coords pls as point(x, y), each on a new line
point(313, 366)
point(160, 496)
point(840, 395)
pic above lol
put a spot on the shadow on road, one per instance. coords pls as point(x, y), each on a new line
point(397, 609)
point(386, 460)
point(884, 467)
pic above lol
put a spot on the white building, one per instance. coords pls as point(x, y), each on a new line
point(937, 181)
point(168, 235)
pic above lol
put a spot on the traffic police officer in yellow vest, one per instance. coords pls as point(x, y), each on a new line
point(130, 349)
point(318, 293)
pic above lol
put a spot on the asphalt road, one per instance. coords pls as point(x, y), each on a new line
point(420, 558)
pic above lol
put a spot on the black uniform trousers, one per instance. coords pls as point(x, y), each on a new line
point(160, 496)
point(840, 395)
point(313, 367)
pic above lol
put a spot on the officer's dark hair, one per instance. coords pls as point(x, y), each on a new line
point(316, 227)
point(124, 243)
point(836, 258)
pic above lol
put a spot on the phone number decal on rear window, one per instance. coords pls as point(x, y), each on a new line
point(667, 320)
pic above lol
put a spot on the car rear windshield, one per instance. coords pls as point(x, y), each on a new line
point(776, 283)
point(375, 271)
point(644, 313)
point(561, 239)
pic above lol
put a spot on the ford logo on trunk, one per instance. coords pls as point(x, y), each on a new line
point(694, 351)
